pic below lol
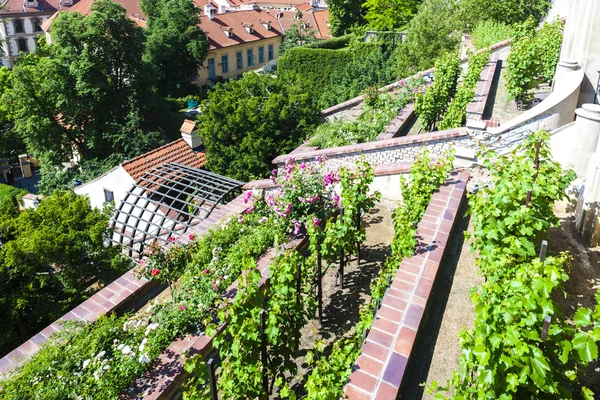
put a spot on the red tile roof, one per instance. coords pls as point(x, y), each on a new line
point(174, 152)
point(18, 6)
point(322, 20)
point(235, 19)
point(316, 20)
point(132, 7)
point(304, 7)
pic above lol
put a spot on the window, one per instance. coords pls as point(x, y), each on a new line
point(18, 24)
point(250, 57)
point(225, 64)
point(211, 68)
point(271, 52)
point(37, 25)
point(109, 196)
point(261, 54)
point(22, 43)
point(239, 61)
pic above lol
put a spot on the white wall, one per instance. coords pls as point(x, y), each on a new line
point(117, 180)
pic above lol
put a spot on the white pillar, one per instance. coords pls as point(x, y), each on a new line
point(585, 141)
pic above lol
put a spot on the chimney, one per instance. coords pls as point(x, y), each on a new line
point(189, 133)
point(210, 11)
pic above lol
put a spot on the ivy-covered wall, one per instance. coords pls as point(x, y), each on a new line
point(334, 76)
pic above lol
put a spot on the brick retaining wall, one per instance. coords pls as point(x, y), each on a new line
point(380, 152)
point(379, 370)
point(477, 106)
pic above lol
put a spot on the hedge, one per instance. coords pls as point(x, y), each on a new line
point(333, 76)
point(332, 44)
point(313, 66)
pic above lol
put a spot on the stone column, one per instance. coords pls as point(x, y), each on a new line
point(585, 139)
point(586, 154)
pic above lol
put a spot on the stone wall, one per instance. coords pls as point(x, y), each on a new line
point(382, 152)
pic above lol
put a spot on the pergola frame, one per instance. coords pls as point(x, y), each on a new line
point(166, 201)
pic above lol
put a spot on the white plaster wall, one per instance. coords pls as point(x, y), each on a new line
point(559, 8)
point(565, 146)
point(388, 186)
point(117, 180)
point(582, 43)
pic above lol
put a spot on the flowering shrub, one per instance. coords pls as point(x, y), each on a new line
point(330, 372)
point(306, 190)
point(371, 97)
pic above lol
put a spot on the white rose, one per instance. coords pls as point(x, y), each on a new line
point(86, 363)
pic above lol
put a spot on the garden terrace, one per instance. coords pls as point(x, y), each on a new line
point(121, 294)
point(158, 383)
point(167, 375)
point(477, 106)
point(379, 370)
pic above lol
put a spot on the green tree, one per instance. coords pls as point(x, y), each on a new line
point(344, 15)
point(84, 91)
point(386, 15)
point(48, 259)
point(248, 122)
point(10, 193)
point(432, 32)
point(299, 34)
point(11, 144)
point(176, 46)
point(503, 11)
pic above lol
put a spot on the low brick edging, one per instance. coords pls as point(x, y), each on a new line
point(167, 373)
point(476, 107)
point(398, 122)
point(380, 152)
point(379, 370)
point(113, 297)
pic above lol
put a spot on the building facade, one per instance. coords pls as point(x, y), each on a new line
point(21, 24)
point(240, 41)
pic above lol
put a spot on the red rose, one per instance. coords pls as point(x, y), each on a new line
point(155, 272)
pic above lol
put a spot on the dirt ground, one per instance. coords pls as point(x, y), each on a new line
point(504, 107)
point(437, 354)
point(341, 307)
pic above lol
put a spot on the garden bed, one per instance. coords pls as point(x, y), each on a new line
point(341, 306)
point(437, 359)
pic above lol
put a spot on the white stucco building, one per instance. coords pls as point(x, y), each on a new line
point(21, 23)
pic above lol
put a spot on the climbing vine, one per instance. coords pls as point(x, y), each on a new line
point(456, 113)
point(431, 103)
point(521, 345)
point(533, 57)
